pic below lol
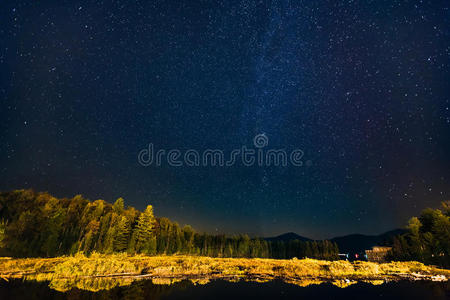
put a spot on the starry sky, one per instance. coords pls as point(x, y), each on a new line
point(362, 87)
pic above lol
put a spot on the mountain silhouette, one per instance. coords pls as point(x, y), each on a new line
point(352, 243)
point(288, 237)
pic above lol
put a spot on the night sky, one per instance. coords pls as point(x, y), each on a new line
point(362, 87)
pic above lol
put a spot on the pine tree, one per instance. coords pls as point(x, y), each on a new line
point(145, 238)
point(228, 250)
point(122, 235)
point(118, 206)
point(2, 233)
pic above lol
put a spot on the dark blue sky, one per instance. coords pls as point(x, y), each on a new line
point(360, 86)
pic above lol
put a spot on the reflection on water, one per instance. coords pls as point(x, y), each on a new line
point(220, 289)
point(96, 284)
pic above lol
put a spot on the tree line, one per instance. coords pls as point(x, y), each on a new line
point(39, 225)
point(427, 239)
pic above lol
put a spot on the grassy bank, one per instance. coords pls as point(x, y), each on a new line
point(98, 271)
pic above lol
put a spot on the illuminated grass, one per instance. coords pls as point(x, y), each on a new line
point(100, 271)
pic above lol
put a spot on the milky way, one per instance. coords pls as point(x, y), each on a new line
point(360, 86)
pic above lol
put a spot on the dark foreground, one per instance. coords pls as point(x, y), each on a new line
point(145, 289)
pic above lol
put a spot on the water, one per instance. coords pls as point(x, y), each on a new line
point(217, 290)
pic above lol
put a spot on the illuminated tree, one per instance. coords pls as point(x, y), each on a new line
point(144, 232)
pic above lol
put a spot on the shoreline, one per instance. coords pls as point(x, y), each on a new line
point(105, 271)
